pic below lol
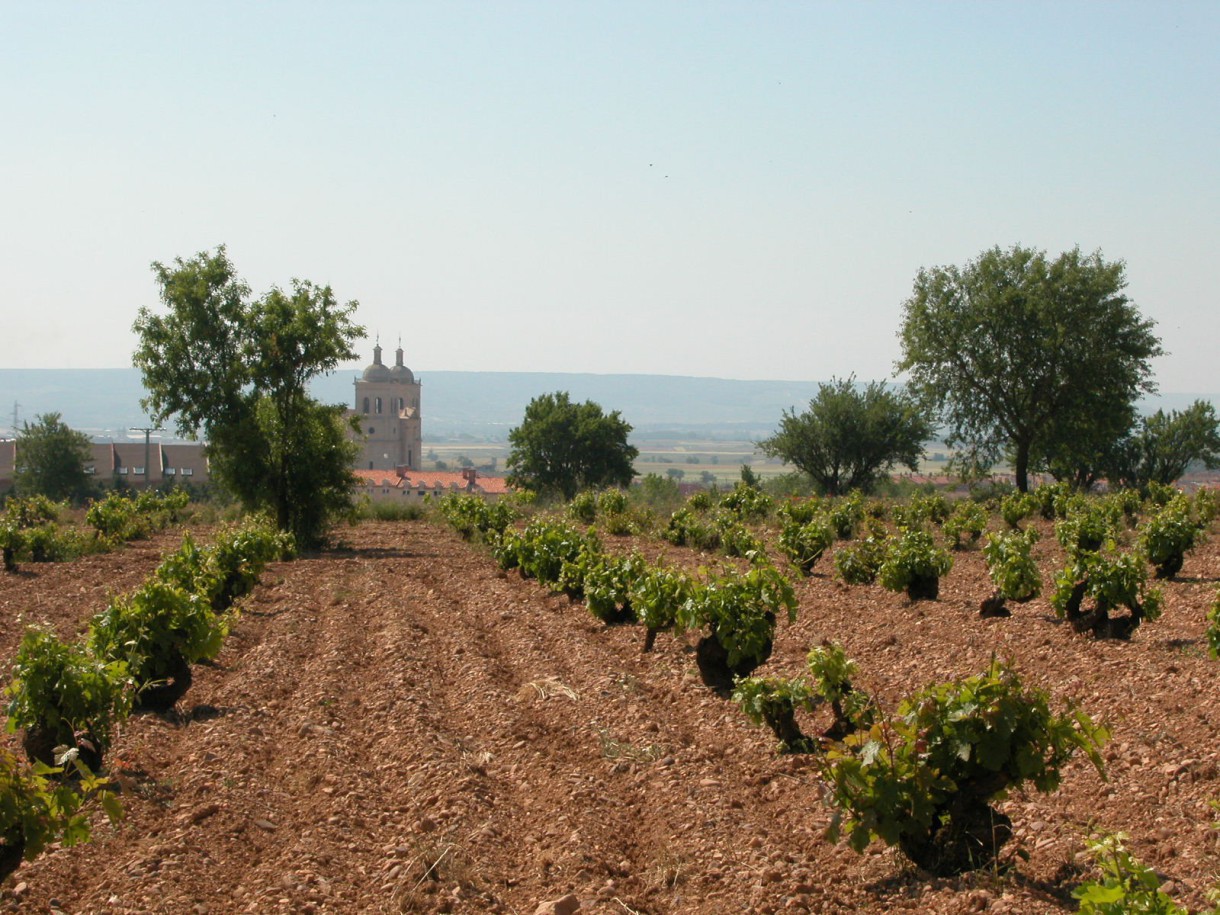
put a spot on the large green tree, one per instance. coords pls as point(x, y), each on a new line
point(235, 371)
point(850, 435)
point(1162, 446)
point(1024, 356)
point(51, 460)
point(565, 447)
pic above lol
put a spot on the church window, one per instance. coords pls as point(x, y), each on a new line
point(366, 405)
point(378, 403)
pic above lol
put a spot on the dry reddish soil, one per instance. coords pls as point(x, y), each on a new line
point(395, 726)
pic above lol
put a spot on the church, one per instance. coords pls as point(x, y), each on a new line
point(387, 406)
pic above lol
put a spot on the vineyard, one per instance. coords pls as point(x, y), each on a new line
point(459, 714)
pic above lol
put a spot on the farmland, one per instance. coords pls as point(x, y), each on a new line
point(397, 725)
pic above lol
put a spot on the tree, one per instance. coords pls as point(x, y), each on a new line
point(1027, 355)
point(565, 447)
point(51, 460)
point(850, 436)
point(1162, 446)
point(235, 371)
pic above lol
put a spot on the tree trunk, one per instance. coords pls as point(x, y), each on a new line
point(1020, 466)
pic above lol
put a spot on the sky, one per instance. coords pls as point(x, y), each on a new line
point(737, 190)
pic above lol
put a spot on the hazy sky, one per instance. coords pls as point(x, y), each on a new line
point(740, 190)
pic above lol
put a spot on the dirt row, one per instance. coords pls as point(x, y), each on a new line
point(397, 726)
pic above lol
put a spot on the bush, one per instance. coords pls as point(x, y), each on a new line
point(804, 543)
point(37, 808)
point(158, 630)
point(473, 517)
point(657, 596)
point(238, 555)
point(1213, 627)
point(1126, 885)
point(846, 514)
point(968, 519)
point(1087, 525)
point(739, 611)
point(858, 564)
point(608, 585)
point(1112, 581)
point(63, 696)
point(747, 503)
point(913, 563)
point(924, 779)
point(801, 511)
point(1011, 565)
point(772, 702)
point(1016, 507)
point(1168, 535)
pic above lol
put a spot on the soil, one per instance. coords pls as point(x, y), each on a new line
point(397, 726)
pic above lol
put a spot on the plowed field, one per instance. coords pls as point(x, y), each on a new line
point(396, 726)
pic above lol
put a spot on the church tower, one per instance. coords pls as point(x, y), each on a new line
point(387, 405)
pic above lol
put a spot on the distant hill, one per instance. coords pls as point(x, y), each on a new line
point(482, 405)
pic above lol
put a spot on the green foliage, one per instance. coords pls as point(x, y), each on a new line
point(1011, 565)
point(69, 693)
point(1126, 886)
point(608, 584)
point(543, 549)
point(805, 542)
point(564, 447)
point(38, 807)
point(609, 506)
point(237, 557)
point(917, 779)
point(995, 348)
point(1163, 446)
point(1017, 506)
point(1112, 581)
point(914, 563)
point(740, 610)
point(846, 513)
point(772, 702)
point(1051, 496)
point(833, 673)
point(1213, 627)
point(859, 563)
point(850, 437)
point(967, 520)
point(1088, 524)
point(801, 511)
point(236, 372)
point(747, 503)
point(658, 594)
point(473, 517)
point(50, 460)
point(657, 493)
point(1168, 535)
point(155, 628)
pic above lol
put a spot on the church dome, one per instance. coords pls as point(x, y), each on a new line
point(378, 371)
point(400, 372)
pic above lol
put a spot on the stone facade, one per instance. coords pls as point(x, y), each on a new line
point(387, 406)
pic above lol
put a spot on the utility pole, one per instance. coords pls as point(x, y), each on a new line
point(148, 431)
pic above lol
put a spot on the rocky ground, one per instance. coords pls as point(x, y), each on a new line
point(397, 726)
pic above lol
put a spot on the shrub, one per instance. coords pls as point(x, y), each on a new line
point(858, 564)
point(608, 584)
point(1168, 535)
point(913, 563)
point(238, 555)
point(772, 702)
point(924, 779)
point(158, 631)
point(1126, 886)
point(833, 672)
point(1086, 527)
point(846, 514)
point(473, 517)
point(804, 543)
point(1112, 580)
point(583, 507)
point(1017, 506)
point(748, 503)
point(116, 518)
point(1213, 627)
point(968, 519)
point(37, 808)
point(1012, 568)
point(63, 696)
point(800, 511)
point(739, 611)
point(657, 596)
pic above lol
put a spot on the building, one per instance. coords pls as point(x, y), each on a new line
point(137, 464)
point(387, 406)
point(406, 486)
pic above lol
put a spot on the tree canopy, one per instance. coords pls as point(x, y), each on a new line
point(850, 436)
point(1162, 446)
point(1027, 357)
point(235, 371)
point(51, 460)
point(565, 447)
